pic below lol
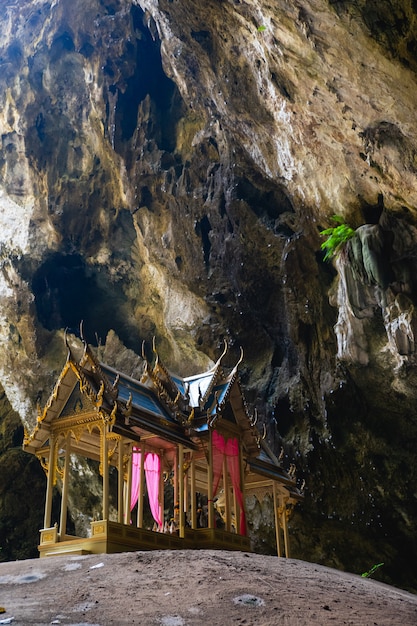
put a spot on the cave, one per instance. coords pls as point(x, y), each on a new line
point(167, 169)
point(147, 78)
point(68, 292)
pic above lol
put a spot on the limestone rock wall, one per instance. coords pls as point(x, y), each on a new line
point(166, 167)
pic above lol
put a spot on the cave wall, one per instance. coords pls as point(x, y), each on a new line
point(166, 168)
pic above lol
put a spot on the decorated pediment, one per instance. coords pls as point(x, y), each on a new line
point(77, 403)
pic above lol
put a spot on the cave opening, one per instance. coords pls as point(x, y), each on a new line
point(202, 229)
point(68, 292)
point(150, 79)
point(60, 45)
point(267, 203)
point(285, 415)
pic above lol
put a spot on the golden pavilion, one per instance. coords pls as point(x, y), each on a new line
point(191, 438)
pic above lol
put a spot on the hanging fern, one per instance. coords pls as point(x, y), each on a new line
point(337, 236)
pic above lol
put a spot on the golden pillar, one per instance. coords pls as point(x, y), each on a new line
point(105, 470)
point(226, 495)
point(162, 490)
point(210, 485)
point(129, 485)
point(276, 516)
point(193, 494)
point(176, 477)
point(186, 488)
point(141, 487)
point(181, 488)
point(286, 533)
point(64, 494)
point(120, 483)
point(236, 509)
point(50, 482)
point(242, 487)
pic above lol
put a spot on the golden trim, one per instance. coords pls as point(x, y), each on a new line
point(44, 464)
point(117, 439)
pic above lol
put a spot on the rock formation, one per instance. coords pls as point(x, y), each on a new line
point(166, 168)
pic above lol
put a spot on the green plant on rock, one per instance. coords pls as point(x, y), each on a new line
point(337, 236)
point(372, 570)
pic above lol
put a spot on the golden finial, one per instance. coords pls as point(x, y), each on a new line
point(127, 411)
point(191, 416)
point(100, 394)
point(26, 436)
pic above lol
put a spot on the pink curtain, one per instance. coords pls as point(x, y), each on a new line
point(134, 494)
point(233, 466)
point(230, 449)
point(153, 480)
point(152, 467)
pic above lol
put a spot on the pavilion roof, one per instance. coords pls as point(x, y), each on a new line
point(167, 407)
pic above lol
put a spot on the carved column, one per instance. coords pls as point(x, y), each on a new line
point(236, 509)
point(186, 489)
point(226, 494)
point(181, 488)
point(286, 533)
point(176, 477)
point(105, 471)
point(276, 517)
point(120, 482)
point(50, 482)
point(141, 486)
point(210, 485)
point(162, 490)
point(193, 494)
point(129, 485)
point(64, 495)
point(243, 488)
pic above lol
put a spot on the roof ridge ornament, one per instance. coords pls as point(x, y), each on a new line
point(292, 471)
point(127, 411)
point(217, 373)
point(162, 379)
point(239, 360)
point(223, 354)
point(115, 385)
point(262, 436)
point(83, 339)
point(187, 393)
point(107, 392)
point(146, 372)
point(201, 400)
point(154, 350)
point(69, 355)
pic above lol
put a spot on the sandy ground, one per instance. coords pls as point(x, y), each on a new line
point(186, 588)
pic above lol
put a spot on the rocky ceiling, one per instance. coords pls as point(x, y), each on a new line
point(166, 167)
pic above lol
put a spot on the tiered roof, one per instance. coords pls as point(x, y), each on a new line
point(163, 407)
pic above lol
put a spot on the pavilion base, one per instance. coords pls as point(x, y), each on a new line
point(111, 537)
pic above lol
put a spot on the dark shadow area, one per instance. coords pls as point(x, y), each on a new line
point(285, 415)
point(204, 38)
point(202, 229)
point(391, 24)
point(148, 79)
point(67, 292)
point(267, 203)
